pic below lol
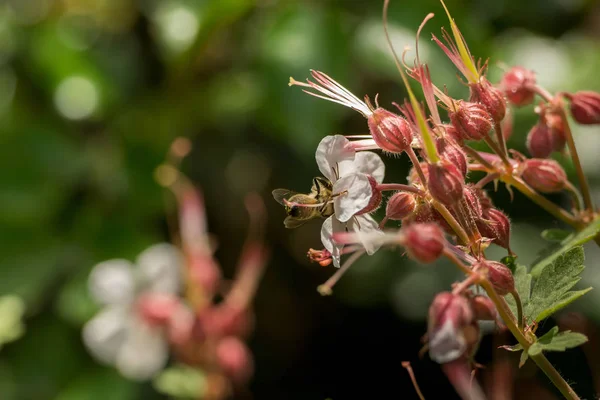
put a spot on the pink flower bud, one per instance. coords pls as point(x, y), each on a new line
point(453, 133)
point(446, 183)
point(375, 200)
point(450, 317)
point(545, 176)
point(471, 120)
point(423, 242)
point(484, 200)
point(483, 308)
point(235, 359)
point(471, 197)
point(401, 205)
point(390, 132)
point(499, 276)
point(585, 107)
point(546, 136)
point(449, 150)
point(516, 84)
point(501, 225)
point(491, 97)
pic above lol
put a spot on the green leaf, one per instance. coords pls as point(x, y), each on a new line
point(182, 382)
point(555, 341)
point(573, 240)
point(551, 290)
point(555, 235)
point(523, 286)
point(509, 261)
point(523, 359)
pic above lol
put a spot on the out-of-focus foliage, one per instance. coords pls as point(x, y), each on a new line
point(92, 92)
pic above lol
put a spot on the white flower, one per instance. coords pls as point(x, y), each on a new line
point(118, 335)
point(349, 172)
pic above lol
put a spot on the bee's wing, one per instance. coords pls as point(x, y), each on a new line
point(291, 222)
point(282, 194)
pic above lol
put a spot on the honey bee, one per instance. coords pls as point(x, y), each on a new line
point(301, 207)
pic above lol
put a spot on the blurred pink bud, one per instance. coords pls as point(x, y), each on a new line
point(375, 200)
point(157, 308)
point(449, 150)
point(483, 308)
point(181, 326)
point(585, 107)
point(235, 359)
point(390, 132)
point(204, 273)
point(446, 183)
point(471, 120)
point(499, 276)
point(413, 175)
point(545, 176)
point(517, 84)
point(401, 205)
point(423, 242)
point(224, 320)
point(449, 316)
point(491, 97)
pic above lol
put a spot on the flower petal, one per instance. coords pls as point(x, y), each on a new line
point(447, 344)
point(112, 282)
point(144, 352)
point(368, 232)
point(104, 334)
point(330, 226)
point(332, 153)
point(370, 163)
point(160, 268)
point(358, 195)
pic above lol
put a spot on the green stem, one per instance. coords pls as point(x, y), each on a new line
point(517, 298)
point(460, 232)
point(583, 182)
point(554, 376)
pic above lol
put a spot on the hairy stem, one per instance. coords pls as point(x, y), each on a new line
point(460, 232)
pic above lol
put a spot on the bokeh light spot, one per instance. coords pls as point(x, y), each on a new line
point(76, 97)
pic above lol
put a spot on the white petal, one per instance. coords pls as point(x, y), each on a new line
point(330, 226)
point(332, 152)
point(357, 197)
point(112, 282)
point(370, 163)
point(447, 344)
point(369, 234)
point(160, 268)
point(144, 353)
point(104, 334)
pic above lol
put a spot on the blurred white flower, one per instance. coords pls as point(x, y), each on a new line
point(119, 335)
point(349, 172)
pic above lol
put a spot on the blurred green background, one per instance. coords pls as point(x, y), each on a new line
point(92, 92)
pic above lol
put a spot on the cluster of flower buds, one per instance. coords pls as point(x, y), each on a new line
point(163, 305)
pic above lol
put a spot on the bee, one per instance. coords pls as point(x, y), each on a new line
point(301, 207)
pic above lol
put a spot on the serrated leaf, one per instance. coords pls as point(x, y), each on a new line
point(523, 286)
point(555, 235)
point(565, 245)
point(551, 290)
point(557, 341)
point(181, 382)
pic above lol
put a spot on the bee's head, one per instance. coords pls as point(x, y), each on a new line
point(292, 211)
